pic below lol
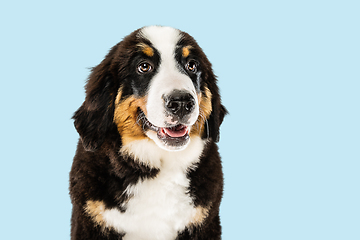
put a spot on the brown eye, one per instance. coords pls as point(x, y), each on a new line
point(144, 67)
point(191, 66)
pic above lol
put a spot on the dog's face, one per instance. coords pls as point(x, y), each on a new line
point(167, 79)
point(156, 84)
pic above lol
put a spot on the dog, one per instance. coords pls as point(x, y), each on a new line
point(147, 164)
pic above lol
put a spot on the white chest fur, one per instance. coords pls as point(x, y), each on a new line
point(161, 207)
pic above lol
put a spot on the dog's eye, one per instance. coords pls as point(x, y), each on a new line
point(191, 66)
point(144, 67)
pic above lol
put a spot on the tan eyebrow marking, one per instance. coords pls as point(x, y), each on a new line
point(186, 51)
point(149, 51)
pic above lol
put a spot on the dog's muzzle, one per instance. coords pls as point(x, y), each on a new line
point(174, 123)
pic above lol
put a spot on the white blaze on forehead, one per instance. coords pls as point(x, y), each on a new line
point(164, 39)
point(168, 77)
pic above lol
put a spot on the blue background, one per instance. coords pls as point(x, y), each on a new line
point(288, 73)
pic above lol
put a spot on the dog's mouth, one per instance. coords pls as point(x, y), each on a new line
point(173, 137)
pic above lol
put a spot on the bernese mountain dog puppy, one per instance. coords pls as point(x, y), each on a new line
point(147, 165)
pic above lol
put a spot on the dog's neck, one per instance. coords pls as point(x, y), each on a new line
point(146, 152)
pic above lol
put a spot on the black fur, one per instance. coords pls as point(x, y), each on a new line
point(100, 173)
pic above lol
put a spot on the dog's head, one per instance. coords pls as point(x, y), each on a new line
point(157, 84)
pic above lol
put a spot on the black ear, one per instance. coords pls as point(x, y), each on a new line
point(217, 115)
point(94, 119)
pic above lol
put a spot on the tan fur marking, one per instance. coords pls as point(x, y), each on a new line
point(125, 117)
point(146, 49)
point(205, 107)
point(200, 215)
point(95, 209)
point(186, 51)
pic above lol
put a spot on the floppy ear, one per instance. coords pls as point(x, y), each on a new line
point(216, 118)
point(212, 125)
point(94, 119)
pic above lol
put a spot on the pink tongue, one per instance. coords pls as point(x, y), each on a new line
point(175, 132)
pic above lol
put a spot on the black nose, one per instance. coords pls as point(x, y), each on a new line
point(180, 103)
